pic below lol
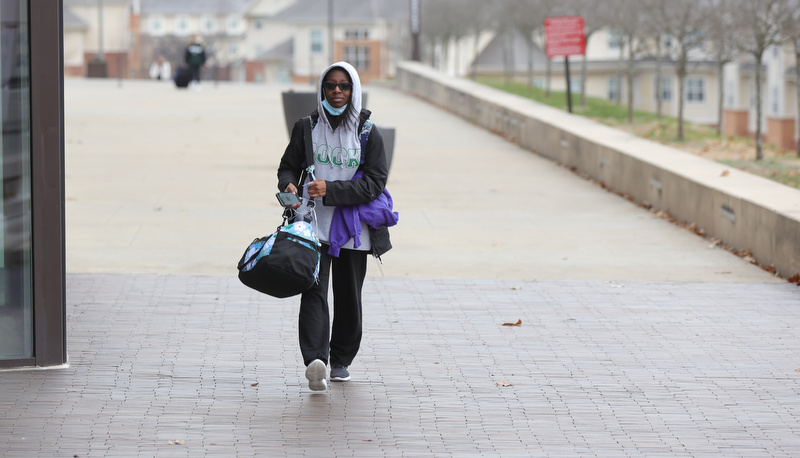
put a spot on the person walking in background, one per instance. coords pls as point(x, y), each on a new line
point(161, 69)
point(195, 58)
point(345, 178)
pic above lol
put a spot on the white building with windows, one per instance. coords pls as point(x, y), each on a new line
point(606, 77)
point(373, 35)
point(165, 27)
point(96, 30)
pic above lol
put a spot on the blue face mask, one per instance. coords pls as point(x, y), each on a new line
point(331, 110)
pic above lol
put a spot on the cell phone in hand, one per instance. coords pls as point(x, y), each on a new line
point(287, 199)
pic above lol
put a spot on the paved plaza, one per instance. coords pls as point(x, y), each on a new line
point(522, 312)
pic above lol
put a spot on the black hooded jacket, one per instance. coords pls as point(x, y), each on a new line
point(350, 192)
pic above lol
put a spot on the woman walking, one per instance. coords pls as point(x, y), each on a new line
point(331, 135)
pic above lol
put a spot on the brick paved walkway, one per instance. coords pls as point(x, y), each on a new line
point(594, 369)
point(176, 358)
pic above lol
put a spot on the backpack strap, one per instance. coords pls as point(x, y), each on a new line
point(308, 125)
point(363, 135)
point(308, 165)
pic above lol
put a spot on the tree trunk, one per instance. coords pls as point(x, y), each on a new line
point(659, 78)
point(530, 63)
point(583, 81)
point(619, 75)
point(797, 85)
point(630, 84)
point(797, 97)
point(456, 58)
point(473, 70)
point(507, 58)
point(721, 96)
point(681, 82)
point(584, 65)
point(759, 144)
point(547, 77)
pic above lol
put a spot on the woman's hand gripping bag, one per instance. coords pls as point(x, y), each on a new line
point(283, 264)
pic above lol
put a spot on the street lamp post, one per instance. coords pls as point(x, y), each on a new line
point(330, 31)
point(100, 55)
point(98, 67)
point(415, 22)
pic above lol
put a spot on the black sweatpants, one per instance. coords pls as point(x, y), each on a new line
point(195, 72)
point(317, 340)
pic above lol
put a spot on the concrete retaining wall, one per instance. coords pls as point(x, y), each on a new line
point(742, 210)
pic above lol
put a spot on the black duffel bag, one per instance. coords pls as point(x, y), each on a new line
point(283, 264)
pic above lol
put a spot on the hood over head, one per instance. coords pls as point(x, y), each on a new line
point(354, 110)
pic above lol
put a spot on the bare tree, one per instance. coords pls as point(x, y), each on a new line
point(480, 19)
point(720, 33)
point(655, 48)
point(758, 27)
point(615, 18)
point(629, 21)
point(528, 18)
point(682, 22)
point(594, 20)
point(504, 24)
point(440, 27)
point(791, 30)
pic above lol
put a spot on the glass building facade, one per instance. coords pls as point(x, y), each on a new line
point(32, 278)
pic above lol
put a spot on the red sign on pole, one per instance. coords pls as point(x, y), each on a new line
point(564, 36)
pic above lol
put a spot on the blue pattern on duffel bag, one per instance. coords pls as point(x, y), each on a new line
point(292, 270)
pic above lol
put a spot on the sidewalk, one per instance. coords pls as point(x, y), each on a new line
point(636, 337)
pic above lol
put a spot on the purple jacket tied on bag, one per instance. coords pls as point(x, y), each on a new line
point(346, 222)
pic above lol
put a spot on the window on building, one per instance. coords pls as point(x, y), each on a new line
point(665, 87)
point(615, 39)
point(729, 88)
point(208, 25)
point(234, 25)
point(613, 88)
point(356, 34)
point(358, 56)
point(316, 41)
point(181, 25)
point(156, 25)
point(695, 90)
point(696, 36)
point(575, 85)
point(775, 101)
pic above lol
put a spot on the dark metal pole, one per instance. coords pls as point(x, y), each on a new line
point(415, 27)
point(569, 88)
point(330, 31)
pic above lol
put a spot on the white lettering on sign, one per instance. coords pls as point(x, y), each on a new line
point(564, 36)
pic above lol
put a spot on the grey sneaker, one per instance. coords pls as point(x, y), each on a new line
point(315, 373)
point(339, 373)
